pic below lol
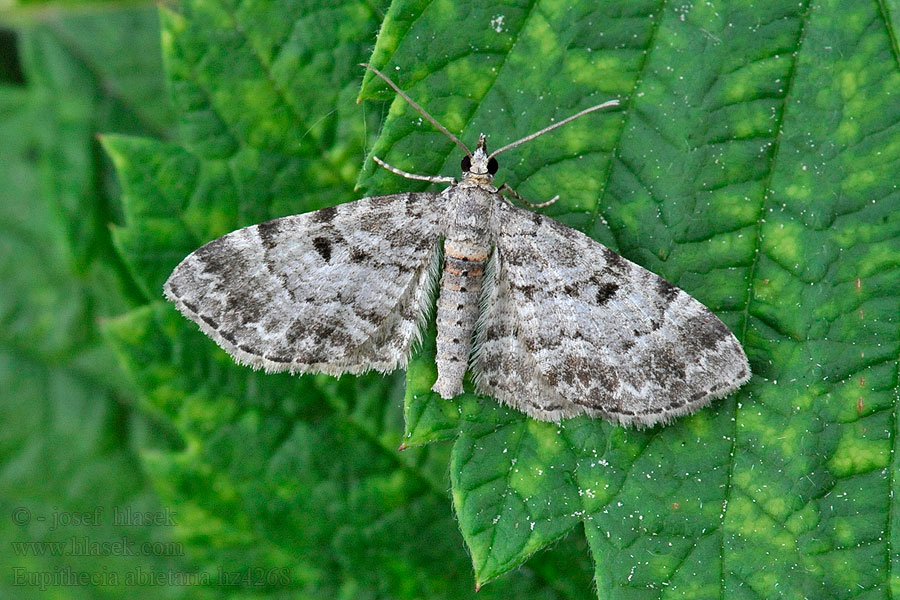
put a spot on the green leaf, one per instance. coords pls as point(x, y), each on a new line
point(66, 452)
point(70, 437)
point(86, 84)
point(754, 166)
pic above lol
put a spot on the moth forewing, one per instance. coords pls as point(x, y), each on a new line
point(339, 290)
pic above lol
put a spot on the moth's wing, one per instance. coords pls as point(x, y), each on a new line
point(502, 364)
point(339, 290)
point(571, 327)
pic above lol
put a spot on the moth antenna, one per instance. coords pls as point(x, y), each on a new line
point(528, 138)
point(418, 108)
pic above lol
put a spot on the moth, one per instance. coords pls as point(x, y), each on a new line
point(545, 319)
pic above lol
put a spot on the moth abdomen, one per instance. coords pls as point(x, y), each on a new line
point(457, 313)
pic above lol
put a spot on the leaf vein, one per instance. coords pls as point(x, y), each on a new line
point(804, 21)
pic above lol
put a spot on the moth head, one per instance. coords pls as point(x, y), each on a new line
point(479, 163)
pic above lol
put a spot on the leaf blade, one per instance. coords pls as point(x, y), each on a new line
point(689, 205)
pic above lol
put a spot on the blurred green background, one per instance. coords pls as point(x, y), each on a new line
point(754, 164)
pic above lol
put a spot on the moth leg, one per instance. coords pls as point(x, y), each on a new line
point(431, 178)
point(514, 194)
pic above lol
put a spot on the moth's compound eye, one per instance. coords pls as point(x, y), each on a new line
point(493, 166)
point(466, 164)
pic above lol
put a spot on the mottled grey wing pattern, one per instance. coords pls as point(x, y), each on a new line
point(571, 327)
point(502, 365)
point(340, 290)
